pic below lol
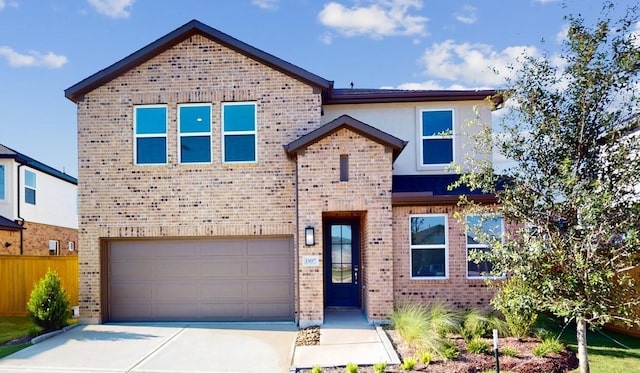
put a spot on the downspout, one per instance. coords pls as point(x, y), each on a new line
point(297, 244)
point(19, 218)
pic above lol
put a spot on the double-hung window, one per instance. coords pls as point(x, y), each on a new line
point(29, 187)
point(194, 126)
point(437, 137)
point(239, 135)
point(428, 236)
point(150, 134)
point(482, 232)
point(2, 177)
point(53, 247)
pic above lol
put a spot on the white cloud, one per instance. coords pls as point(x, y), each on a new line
point(473, 65)
point(112, 8)
point(326, 38)
point(2, 4)
point(32, 58)
point(266, 4)
point(379, 19)
point(546, 1)
point(468, 15)
point(434, 85)
point(562, 35)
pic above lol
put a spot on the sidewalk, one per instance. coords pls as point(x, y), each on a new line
point(346, 337)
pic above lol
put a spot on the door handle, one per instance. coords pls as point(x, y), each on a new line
point(355, 274)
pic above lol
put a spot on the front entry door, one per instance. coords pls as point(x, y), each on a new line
point(342, 262)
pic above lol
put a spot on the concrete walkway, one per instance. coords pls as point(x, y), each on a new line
point(346, 337)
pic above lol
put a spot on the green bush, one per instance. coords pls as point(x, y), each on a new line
point(509, 351)
point(425, 357)
point(49, 303)
point(424, 327)
point(352, 368)
point(380, 367)
point(476, 324)
point(408, 363)
point(450, 351)
point(316, 369)
point(548, 346)
point(478, 346)
point(518, 304)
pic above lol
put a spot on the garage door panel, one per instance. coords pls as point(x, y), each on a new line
point(228, 289)
point(247, 279)
point(269, 267)
point(269, 290)
point(138, 292)
point(223, 267)
point(178, 267)
point(229, 248)
point(270, 248)
point(132, 269)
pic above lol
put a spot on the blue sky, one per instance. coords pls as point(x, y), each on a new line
point(48, 45)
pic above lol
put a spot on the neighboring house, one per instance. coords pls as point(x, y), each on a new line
point(38, 207)
point(219, 182)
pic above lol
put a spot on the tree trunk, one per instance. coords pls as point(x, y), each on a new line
point(581, 334)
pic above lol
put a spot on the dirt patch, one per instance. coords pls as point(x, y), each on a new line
point(525, 362)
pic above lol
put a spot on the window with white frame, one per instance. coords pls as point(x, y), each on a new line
point(2, 187)
point(482, 232)
point(239, 134)
point(429, 246)
point(29, 187)
point(436, 130)
point(194, 128)
point(71, 245)
point(53, 247)
point(150, 134)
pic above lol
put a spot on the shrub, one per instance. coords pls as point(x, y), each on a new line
point(509, 351)
point(380, 367)
point(450, 351)
point(316, 369)
point(548, 346)
point(352, 368)
point(48, 305)
point(408, 363)
point(476, 324)
point(478, 346)
point(425, 357)
point(518, 304)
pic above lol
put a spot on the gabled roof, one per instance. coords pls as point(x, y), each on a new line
point(8, 153)
point(75, 92)
point(9, 225)
point(354, 125)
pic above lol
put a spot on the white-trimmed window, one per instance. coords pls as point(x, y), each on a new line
point(53, 247)
point(194, 132)
point(29, 187)
point(436, 137)
point(2, 178)
point(150, 128)
point(239, 134)
point(482, 231)
point(429, 246)
point(71, 245)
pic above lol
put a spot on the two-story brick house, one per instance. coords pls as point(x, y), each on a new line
point(38, 207)
point(219, 182)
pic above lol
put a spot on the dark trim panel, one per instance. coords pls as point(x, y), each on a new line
point(428, 199)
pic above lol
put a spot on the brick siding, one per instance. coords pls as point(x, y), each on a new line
point(36, 240)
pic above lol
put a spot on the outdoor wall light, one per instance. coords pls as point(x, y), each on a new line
point(309, 236)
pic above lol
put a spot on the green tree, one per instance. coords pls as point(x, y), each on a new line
point(49, 303)
point(572, 191)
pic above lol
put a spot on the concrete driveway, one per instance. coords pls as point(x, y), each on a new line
point(161, 347)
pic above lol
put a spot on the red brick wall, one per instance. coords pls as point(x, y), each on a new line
point(36, 240)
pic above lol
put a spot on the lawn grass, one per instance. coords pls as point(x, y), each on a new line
point(12, 327)
point(8, 350)
point(605, 355)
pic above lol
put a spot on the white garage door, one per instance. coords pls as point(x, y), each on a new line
point(205, 280)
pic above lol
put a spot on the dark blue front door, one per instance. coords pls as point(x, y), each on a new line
point(342, 262)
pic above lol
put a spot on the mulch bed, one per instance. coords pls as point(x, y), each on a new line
point(467, 362)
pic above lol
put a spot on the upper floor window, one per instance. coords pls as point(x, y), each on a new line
point(53, 247)
point(150, 134)
point(29, 187)
point(429, 246)
point(437, 137)
point(239, 140)
point(482, 230)
point(2, 192)
point(194, 127)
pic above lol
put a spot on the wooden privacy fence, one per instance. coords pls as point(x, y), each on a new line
point(18, 275)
